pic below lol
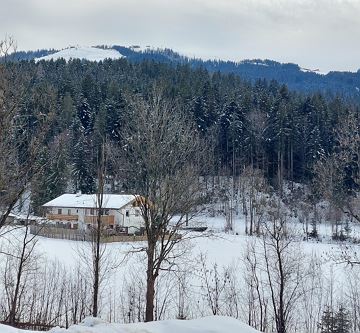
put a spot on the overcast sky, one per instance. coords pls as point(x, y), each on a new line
point(322, 34)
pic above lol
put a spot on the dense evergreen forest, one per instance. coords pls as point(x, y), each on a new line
point(346, 84)
point(262, 124)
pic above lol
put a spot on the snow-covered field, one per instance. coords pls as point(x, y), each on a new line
point(216, 250)
point(220, 247)
point(88, 53)
point(215, 324)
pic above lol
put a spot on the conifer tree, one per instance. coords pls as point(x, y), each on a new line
point(82, 159)
point(85, 116)
point(328, 322)
point(343, 323)
point(338, 322)
point(53, 179)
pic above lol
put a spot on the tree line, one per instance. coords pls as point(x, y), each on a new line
point(296, 78)
point(262, 125)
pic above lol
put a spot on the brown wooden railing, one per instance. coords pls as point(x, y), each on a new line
point(62, 217)
point(105, 219)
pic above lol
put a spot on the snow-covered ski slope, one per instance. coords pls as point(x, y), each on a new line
point(79, 52)
point(214, 324)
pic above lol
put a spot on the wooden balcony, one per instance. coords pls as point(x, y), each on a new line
point(62, 217)
point(105, 219)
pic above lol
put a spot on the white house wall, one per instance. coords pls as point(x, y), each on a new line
point(118, 217)
point(132, 220)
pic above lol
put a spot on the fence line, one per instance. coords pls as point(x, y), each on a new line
point(29, 326)
point(80, 235)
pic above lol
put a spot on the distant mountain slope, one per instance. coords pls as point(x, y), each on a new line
point(296, 78)
point(87, 53)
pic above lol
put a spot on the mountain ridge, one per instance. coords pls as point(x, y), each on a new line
point(345, 84)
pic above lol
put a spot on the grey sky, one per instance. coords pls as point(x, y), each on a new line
point(322, 34)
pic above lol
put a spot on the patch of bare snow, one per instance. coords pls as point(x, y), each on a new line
point(79, 52)
point(316, 71)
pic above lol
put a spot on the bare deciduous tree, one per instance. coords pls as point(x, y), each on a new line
point(20, 266)
point(214, 285)
point(9, 165)
point(258, 301)
point(98, 250)
point(313, 298)
point(94, 255)
point(283, 266)
point(8, 46)
point(21, 136)
point(132, 297)
point(254, 189)
point(338, 174)
point(161, 161)
point(348, 161)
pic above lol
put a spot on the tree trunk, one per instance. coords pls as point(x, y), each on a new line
point(150, 296)
point(12, 314)
point(96, 274)
point(15, 302)
point(97, 241)
point(281, 312)
point(150, 282)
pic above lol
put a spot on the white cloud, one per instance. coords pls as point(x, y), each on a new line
point(313, 33)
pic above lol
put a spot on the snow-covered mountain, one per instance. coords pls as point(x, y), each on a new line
point(79, 52)
point(295, 77)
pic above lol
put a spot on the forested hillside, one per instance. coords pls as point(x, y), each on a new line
point(263, 124)
point(346, 84)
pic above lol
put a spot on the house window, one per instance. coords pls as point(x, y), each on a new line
point(137, 213)
point(69, 211)
point(106, 212)
point(127, 213)
point(59, 211)
point(92, 211)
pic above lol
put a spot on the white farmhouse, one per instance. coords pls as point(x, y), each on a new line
point(79, 211)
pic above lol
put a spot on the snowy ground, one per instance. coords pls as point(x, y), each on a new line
point(88, 53)
point(219, 246)
point(215, 324)
point(223, 249)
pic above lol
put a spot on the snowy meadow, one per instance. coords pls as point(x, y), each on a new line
point(215, 273)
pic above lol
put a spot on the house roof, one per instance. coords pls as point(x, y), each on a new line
point(112, 201)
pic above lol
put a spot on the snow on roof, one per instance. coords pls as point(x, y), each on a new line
point(89, 53)
point(114, 201)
